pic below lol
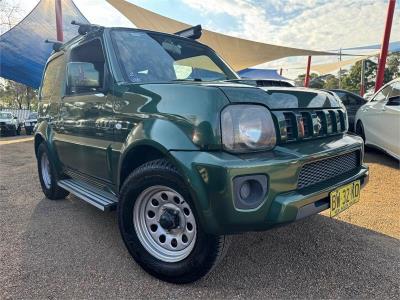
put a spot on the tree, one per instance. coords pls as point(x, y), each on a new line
point(10, 14)
point(300, 78)
point(331, 82)
point(17, 95)
point(13, 94)
point(393, 65)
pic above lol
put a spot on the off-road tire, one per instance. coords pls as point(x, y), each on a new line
point(54, 192)
point(208, 249)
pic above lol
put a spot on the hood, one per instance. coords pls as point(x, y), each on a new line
point(281, 97)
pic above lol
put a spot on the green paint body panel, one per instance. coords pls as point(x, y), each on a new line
point(181, 122)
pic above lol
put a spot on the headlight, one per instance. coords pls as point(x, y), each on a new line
point(8, 122)
point(247, 128)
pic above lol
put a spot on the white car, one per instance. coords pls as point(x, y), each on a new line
point(9, 124)
point(378, 121)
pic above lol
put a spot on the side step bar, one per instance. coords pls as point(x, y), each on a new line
point(101, 199)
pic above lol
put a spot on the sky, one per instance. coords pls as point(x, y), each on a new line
point(310, 24)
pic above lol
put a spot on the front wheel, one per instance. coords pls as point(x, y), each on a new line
point(160, 226)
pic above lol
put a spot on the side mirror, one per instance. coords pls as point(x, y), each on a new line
point(15, 118)
point(83, 77)
point(393, 101)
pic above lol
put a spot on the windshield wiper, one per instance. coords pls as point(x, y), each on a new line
point(188, 79)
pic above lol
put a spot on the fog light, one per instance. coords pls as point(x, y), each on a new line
point(250, 191)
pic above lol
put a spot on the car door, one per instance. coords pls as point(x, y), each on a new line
point(391, 121)
point(372, 117)
point(85, 121)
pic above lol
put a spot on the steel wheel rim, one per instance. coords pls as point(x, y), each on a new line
point(168, 245)
point(45, 167)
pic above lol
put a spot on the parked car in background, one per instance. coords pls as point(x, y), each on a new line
point(9, 124)
point(352, 102)
point(378, 121)
point(30, 123)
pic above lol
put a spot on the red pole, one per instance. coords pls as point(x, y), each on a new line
point(59, 22)
point(307, 78)
point(385, 45)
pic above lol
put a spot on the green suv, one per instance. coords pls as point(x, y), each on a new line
point(158, 127)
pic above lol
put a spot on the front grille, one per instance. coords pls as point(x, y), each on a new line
point(2, 123)
point(325, 169)
point(289, 121)
point(309, 124)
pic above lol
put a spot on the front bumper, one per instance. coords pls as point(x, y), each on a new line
point(210, 176)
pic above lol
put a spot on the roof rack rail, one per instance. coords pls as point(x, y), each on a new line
point(85, 28)
point(193, 33)
point(56, 44)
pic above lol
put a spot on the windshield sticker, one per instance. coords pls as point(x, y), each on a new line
point(133, 77)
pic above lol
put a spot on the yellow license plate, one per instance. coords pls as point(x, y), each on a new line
point(344, 197)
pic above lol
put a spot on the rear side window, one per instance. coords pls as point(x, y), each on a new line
point(53, 79)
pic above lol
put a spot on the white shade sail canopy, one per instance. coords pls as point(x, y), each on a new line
point(327, 68)
point(238, 53)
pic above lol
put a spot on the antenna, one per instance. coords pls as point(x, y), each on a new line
point(56, 44)
point(85, 28)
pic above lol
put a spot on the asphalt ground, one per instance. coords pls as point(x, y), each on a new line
point(69, 249)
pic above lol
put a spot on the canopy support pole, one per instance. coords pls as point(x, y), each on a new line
point(59, 22)
point(362, 85)
point(307, 78)
point(385, 45)
point(280, 72)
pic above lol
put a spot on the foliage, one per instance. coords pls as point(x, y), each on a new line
point(351, 80)
point(17, 95)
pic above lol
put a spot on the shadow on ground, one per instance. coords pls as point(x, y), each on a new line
point(376, 156)
point(73, 250)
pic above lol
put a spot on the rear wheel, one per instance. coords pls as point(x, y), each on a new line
point(47, 175)
point(360, 130)
point(160, 226)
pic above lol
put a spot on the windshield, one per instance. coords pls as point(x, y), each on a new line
point(33, 116)
point(5, 116)
point(151, 57)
